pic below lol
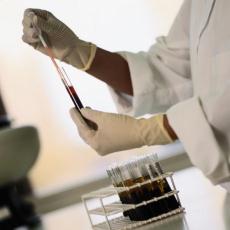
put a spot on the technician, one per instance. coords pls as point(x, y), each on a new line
point(184, 77)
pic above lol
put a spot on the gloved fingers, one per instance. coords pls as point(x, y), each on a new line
point(27, 21)
point(78, 119)
point(30, 35)
point(87, 135)
point(85, 132)
point(29, 18)
point(38, 18)
point(29, 31)
point(39, 12)
point(49, 27)
point(41, 23)
point(102, 119)
point(34, 43)
point(92, 115)
point(27, 13)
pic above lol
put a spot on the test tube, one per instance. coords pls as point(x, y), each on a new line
point(72, 92)
point(137, 193)
point(164, 185)
point(125, 197)
point(138, 172)
point(152, 190)
point(64, 77)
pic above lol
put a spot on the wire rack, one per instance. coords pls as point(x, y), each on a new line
point(105, 210)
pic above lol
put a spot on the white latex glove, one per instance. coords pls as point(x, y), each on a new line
point(65, 45)
point(118, 132)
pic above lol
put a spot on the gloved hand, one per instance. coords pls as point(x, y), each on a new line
point(118, 132)
point(65, 45)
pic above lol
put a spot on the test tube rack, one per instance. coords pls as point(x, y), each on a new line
point(105, 211)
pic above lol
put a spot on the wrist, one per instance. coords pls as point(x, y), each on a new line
point(169, 129)
point(81, 55)
point(92, 54)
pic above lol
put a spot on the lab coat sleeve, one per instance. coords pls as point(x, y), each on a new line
point(202, 125)
point(161, 76)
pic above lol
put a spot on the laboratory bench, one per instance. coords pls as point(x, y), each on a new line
point(206, 207)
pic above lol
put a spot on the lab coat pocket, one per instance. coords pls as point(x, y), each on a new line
point(220, 70)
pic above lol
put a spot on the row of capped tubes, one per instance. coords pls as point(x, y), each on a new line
point(137, 172)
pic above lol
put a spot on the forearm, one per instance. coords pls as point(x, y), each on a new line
point(113, 70)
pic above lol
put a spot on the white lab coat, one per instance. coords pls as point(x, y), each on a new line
point(187, 75)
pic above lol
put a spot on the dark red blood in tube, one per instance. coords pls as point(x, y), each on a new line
point(77, 99)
